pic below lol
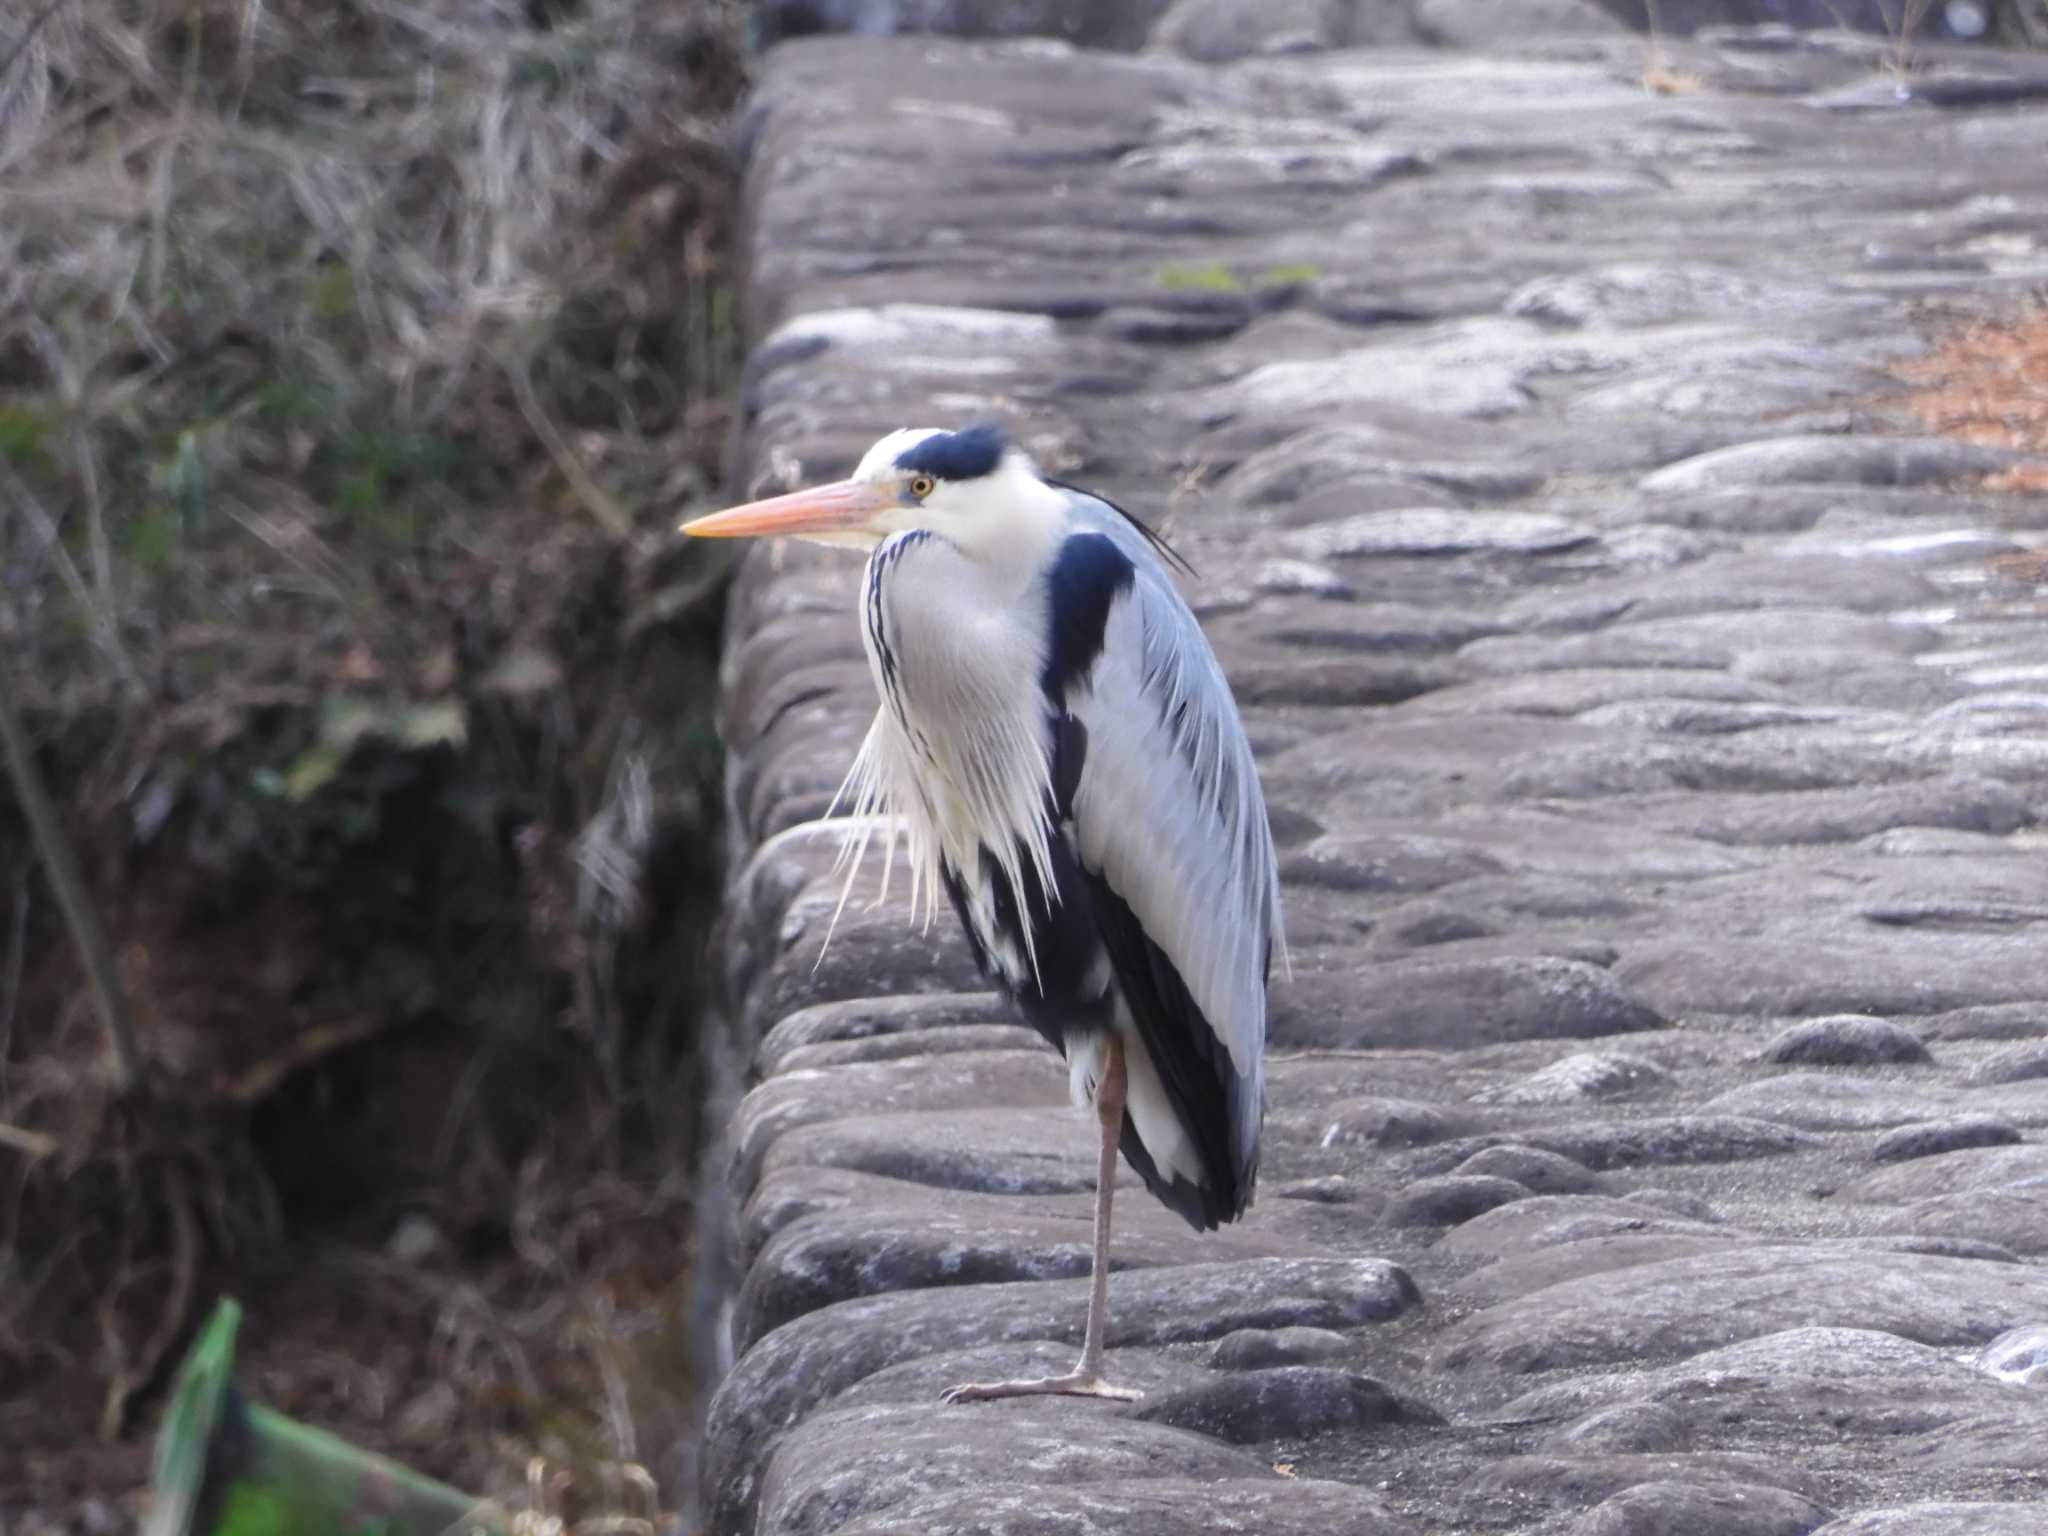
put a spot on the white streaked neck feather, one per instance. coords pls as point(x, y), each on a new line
point(967, 625)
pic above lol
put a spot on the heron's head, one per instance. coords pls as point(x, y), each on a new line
point(972, 487)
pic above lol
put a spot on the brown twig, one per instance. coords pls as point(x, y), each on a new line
point(1653, 63)
point(2032, 22)
point(17, 959)
point(106, 628)
point(1911, 13)
point(316, 1044)
point(71, 389)
point(35, 1143)
point(177, 1307)
point(80, 915)
point(21, 43)
point(597, 501)
point(1841, 21)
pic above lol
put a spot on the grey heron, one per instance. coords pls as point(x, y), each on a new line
point(1058, 745)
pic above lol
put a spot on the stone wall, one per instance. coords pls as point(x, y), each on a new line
point(1655, 721)
point(1218, 31)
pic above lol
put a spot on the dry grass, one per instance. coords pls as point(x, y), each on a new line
point(2024, 23)
point(1987, 382)
point(1662, 78)
point(299, 302)
point(355, 359)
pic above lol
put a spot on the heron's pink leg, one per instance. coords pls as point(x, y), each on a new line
point(1085, 1380)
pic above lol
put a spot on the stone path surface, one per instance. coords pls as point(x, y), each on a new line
point(1656, 731)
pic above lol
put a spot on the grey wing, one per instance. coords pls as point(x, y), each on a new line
point(1168, 815)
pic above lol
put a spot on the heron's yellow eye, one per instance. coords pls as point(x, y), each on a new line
point(922, 486)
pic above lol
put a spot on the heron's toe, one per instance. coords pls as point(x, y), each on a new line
point(1073, 1384)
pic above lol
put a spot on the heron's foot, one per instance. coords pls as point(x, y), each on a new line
point(1073, 1384)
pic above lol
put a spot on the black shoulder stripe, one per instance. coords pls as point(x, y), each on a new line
point(1085, 579)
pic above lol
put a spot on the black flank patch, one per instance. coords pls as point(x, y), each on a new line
point(964, 455)
point(1061, 930)
point(1069, 757)
point(957, 894)
point(1194, 1067)
point(1085, 579)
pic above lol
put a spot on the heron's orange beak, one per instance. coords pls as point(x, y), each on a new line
point(847, 506)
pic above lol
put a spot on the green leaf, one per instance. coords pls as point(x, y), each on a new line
point(1213, 277)
point(23, 429)
point(313, 770)
point(438, 724)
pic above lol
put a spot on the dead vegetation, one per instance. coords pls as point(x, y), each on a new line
point(1985, 381)
point(356, 357)
point(300, 304)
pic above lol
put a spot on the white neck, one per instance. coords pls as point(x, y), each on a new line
point(1011, 532)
